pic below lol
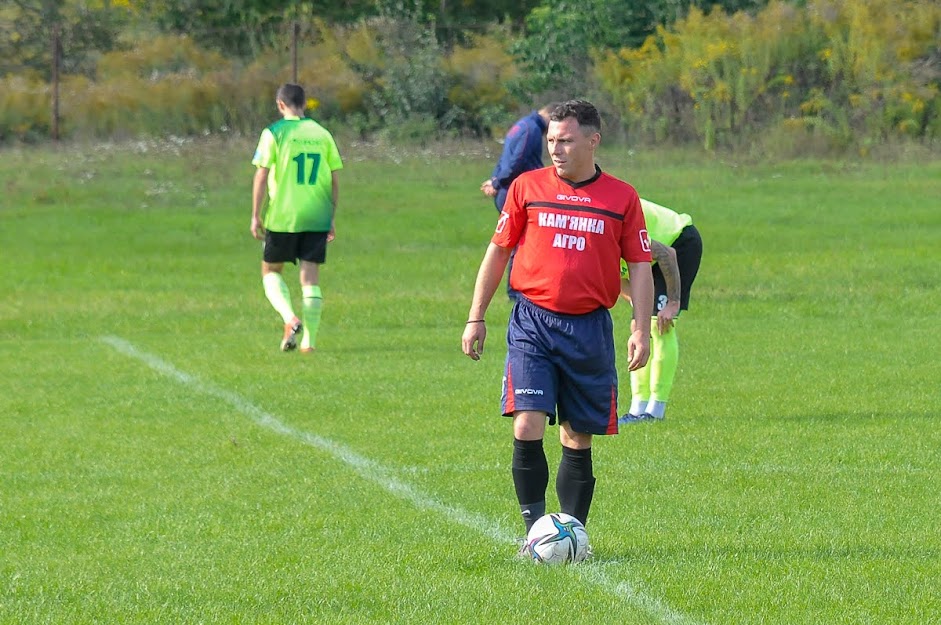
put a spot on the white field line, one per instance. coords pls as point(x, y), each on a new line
point(376, 473)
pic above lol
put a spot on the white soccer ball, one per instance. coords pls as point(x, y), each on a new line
point(558, 538)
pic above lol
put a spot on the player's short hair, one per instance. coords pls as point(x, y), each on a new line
point(583, 111)
point(292, 95)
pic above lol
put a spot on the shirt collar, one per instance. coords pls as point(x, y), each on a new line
point(578, 185)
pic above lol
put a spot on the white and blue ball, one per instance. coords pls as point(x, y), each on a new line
point(558, 538)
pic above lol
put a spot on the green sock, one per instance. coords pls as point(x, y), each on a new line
point(665, 356)
point(277, 292)
point(313, 306)
point(640, 385)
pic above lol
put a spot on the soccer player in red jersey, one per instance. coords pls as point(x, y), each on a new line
point(571, 224)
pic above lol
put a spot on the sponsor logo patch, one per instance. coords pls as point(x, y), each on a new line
point(504, 217)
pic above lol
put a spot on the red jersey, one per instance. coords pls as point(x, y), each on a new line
point(570, 239)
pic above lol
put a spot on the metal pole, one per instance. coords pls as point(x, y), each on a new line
point(295, 32)
point(55, 82)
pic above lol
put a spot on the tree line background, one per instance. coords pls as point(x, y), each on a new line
point(789, 75)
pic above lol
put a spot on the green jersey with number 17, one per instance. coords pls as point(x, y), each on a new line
point(300, 156)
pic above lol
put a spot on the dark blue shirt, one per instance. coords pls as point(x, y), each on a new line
point(522, 151)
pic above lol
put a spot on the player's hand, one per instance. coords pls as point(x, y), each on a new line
point(666, 316)
point(487, 188)
point(472, 343)
point(638, 351)
point(332, 234)
point(258, 230)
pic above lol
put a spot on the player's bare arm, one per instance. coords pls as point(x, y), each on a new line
point(638, 345)
point(335, 196)
point(666, 259)
point(488, 279)
point(259, 194)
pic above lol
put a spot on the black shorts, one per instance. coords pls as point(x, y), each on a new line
point(288, 247)
point(688, 247)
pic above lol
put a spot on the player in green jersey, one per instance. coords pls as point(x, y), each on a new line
point(676, 248)
point(297, 162)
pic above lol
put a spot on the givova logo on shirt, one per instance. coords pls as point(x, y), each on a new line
point(573, 198)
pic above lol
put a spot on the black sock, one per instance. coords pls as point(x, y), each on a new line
point(575, 483)
point(531, 478)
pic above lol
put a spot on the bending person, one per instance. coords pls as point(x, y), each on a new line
point(676, 248)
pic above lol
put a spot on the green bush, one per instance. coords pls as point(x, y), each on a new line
point(827, 75)
point(373, 74)
point(849, 71)
point(479, 74)
point(25, 109)
point(161, 56)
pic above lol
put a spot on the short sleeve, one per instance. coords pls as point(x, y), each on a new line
point(334, 162)
point(512, 220)
point(265, 152)
point(635, 244)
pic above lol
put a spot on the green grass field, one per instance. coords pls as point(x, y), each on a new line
point(162, 462)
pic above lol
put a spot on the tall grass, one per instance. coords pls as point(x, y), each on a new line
point(828, 75)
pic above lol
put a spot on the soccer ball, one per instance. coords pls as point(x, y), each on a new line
point(558, 538)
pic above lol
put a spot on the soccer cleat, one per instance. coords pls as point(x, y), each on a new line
point(291, 330)
point(637, 418)
point(307, 350)
point(629, 418)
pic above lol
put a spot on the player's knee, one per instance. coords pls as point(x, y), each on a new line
point(572, 439)
point(529, 425)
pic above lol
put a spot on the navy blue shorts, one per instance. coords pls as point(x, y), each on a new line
point(562, 365)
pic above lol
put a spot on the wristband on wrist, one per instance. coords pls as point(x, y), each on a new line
point(476, 321)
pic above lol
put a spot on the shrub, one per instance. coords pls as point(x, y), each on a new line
point(152, 59)
point(479, 74)
point(849, 71)
point(25, 110)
